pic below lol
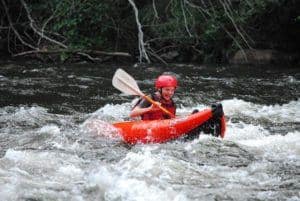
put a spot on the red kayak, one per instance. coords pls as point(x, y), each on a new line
point(159, 131)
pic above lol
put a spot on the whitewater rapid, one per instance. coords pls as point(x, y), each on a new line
point(46, 156)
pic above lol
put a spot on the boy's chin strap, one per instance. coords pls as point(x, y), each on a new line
point(160, 93)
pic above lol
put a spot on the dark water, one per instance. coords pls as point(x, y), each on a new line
point(47, 152)
point(85, 87)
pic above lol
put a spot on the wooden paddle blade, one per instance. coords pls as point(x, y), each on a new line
point(125, 83)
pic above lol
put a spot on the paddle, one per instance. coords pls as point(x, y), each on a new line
point(126, 84)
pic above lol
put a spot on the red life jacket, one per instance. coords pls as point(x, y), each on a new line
point(159, 114)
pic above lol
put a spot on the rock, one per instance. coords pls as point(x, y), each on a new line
point(169, 56)
point(266, 56)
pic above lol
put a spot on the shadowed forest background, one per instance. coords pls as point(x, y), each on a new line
point(218, 31)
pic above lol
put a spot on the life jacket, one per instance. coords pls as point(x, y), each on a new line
point(159, 114)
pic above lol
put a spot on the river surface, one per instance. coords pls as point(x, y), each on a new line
point(47, 151)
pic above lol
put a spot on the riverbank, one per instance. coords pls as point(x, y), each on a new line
point(258, 32)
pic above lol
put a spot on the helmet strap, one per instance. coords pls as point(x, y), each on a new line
point(161, 95)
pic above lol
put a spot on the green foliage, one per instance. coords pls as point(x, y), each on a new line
point(85, 24)
point(83, 30)
point(216, 28)
point(64, 56)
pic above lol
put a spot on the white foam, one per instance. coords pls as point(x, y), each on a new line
point(100, 128)
point(292, 80)
point(15, 155)
point(8, 192)
point(184, 110)
point(276, 113)
point(136, 177)
point(32, 111)
point(254, 174)
point(53, 129)
point(30, 115)
point(242, 131)
point(278, 146)
point(139, 162)
point(70, 171)
point(40, 159)
point(113, 112)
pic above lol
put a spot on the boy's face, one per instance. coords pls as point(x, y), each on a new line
point(167, 92)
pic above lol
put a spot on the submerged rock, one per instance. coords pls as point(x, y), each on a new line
point(169, 56)
point(266, 56)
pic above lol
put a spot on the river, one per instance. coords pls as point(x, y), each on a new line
point(47, 153)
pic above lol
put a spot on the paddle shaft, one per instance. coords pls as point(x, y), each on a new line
point(147, 98)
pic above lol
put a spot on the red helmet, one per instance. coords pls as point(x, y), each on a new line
point(166, 81)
